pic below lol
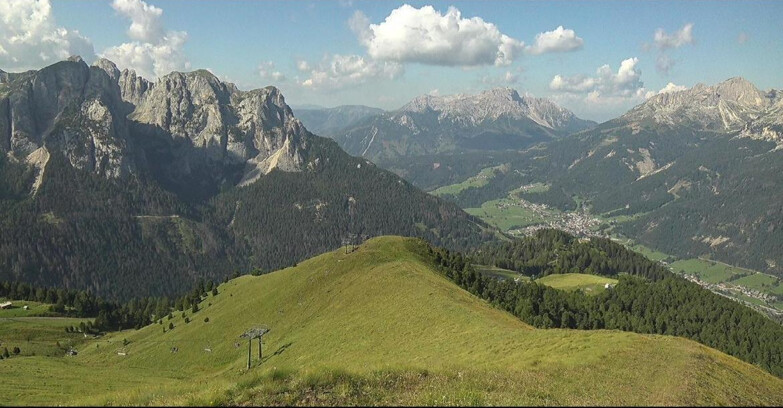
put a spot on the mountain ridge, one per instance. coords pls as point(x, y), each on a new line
point(196, 179)
point(496, 119)
point(731, 105)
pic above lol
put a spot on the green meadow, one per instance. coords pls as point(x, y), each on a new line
point(710, 271)
point(377, 326)
point(500, 272)
point(506, 214)
point(18, 310)
point(590, 284)
point(479, 180)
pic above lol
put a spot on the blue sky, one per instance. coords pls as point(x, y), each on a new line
point(357, 52)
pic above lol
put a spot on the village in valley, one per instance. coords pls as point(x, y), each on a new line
point(520, 217)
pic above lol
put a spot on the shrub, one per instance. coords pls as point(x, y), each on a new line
point(206, 320)
point(16, 350)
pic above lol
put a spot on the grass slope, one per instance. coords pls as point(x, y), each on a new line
point(591, 284)
point(379, 326)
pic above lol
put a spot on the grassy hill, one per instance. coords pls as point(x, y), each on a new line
point(378, 326)
point(590, 284)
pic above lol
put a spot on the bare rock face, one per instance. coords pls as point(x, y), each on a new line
point(493, 104)
point(732, 105)
point(132, 87)
point(70, 108)
point(186, 126)
point(213, 123)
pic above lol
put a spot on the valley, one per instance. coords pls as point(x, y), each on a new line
point(519, 217)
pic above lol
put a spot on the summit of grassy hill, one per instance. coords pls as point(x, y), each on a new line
point(380, 325)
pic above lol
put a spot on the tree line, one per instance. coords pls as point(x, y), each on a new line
point(108, 316)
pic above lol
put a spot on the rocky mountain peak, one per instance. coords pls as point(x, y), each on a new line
point(741, 91)
point(216, 124)
point(501, 94)
point(71, 109)
point(730, 105)
point(187, 125)
point(132, 86)
point(494, 103)
point(109, 67)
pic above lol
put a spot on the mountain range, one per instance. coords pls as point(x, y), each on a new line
point(497, 119)
point(330, 121)
point(180, 178)
point(692, 173)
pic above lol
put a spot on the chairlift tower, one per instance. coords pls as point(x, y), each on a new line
point(254, 333)
point(351, 238)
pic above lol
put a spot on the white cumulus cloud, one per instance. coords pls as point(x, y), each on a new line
point(672, 87)
point(664, 41)
point(677, 39)
point(606, 84)
point(425, 35)
point(155, 51)
point(344, 71)
point(30, 37)
point(145, 19)
point(557, 40)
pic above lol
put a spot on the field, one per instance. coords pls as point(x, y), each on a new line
point(762, 282)
point(590, 284)
point(649, 253)
point(500, 272)
point(506, 214)
point(478, 180)
point(709, 271)
point(39, 336)
point(377, 326)
point(17, 309)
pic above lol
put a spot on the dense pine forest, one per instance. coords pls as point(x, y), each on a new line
point(134, 238)
point(647, 299)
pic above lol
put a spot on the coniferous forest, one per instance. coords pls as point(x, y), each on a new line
point(648, 298)
point(161, 243)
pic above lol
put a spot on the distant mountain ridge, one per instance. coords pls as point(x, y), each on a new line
point(330, 121)
point(497, 119)
point(693, 173)
point(732, 105)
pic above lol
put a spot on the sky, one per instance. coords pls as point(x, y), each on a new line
point(597, 58)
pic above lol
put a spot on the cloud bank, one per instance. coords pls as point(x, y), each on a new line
point(345, 71)
point(30, 36)
point(155, 51)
